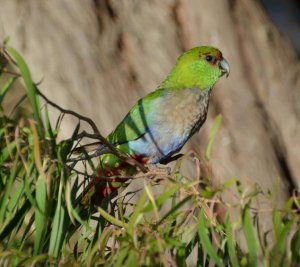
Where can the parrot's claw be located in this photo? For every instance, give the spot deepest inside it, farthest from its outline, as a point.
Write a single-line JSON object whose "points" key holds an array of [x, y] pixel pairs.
{"points": [[158, 174], [153, 168]]}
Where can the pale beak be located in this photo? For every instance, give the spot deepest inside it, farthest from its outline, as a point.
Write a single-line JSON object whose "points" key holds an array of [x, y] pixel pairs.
{"points": [[224, 66]]}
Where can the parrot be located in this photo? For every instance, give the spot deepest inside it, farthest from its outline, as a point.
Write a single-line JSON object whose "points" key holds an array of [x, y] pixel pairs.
{"points": [[159, 124]]}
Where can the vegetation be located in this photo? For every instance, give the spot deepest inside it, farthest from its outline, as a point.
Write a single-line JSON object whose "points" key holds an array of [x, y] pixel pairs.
{"points": [[44, 219]]}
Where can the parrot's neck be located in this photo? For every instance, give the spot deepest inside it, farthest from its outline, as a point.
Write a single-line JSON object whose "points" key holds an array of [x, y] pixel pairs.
{"points": [[192, 76]]}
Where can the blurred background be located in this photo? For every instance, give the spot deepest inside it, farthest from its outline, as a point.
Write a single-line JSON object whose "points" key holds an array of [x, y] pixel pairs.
{"points": [[286, 16], [98, 57]]}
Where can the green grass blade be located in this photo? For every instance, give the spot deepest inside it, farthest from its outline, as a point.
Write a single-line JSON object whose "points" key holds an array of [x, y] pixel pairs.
{"points": [[295, 247], [174, 209], [100, 246], [30, 87], [16, 196], [57, 233], [277, 223], [281, 243], [7, 191], [17, 219], [39, 260], [205, 240], [162, 198], [5, 88], [132, 259], [191, 245], [212, 136], [6, 152], [40, 215], [30, 176], [137, 214], [13, 204], [49, 131], [123, 253], [113, 220], [230, 243], [250, 236], [152, 200]]}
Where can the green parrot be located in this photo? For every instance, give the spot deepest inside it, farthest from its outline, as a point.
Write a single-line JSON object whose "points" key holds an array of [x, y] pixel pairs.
{"points": [[160, 123]]}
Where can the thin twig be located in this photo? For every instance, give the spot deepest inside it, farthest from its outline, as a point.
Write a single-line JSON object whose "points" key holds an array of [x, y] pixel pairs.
{"points": [[88, 135], [4, 70], [113, 149], [6, 55], [150, 175]]}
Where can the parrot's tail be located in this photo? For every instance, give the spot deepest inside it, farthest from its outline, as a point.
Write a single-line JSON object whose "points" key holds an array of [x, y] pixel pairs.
{"points": [[108, 180]]}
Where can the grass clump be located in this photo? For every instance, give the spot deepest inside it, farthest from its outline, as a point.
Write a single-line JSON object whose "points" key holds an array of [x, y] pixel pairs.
{"points": [[44, 220]]}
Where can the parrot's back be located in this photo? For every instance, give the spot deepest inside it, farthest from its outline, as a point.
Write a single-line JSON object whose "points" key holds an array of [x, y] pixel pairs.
{"points": [[161, 123]]}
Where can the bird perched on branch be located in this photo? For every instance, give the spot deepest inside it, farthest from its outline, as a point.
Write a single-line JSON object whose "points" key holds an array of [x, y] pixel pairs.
{"points": [[160, 123]]}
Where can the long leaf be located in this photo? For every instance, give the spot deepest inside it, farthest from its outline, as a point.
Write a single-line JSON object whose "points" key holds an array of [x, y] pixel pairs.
{"points": [[7, 191], [295, 247], [174, 209], [6, 151], [110, 218], [137, 214], [5, 88], [250, 236], [57, 234], [160, 200], [212, 136], [230, 243], [205, 240], [40, 215], [17, 219], [30, 88], [99, 245]]}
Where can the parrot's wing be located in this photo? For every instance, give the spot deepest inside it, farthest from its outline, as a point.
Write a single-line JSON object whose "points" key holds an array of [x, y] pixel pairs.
{"points": [[137, 121]]}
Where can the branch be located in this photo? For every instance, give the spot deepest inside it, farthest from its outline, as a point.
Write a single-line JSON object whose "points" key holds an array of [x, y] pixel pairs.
{"points": [[121, 155]]}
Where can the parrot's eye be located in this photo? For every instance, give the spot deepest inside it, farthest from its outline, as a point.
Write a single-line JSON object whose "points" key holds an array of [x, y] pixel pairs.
{"points": [[209, 58]]}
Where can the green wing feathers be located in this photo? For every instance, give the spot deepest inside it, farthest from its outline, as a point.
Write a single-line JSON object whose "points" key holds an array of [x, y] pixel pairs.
{"points": [[137, 121]]}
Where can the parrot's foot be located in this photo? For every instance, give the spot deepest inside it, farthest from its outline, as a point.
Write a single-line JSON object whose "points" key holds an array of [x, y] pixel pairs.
{"points": [[159, 170], [157, 173]]}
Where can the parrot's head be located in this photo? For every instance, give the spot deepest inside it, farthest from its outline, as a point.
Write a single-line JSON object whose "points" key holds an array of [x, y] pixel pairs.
{"points": [[198, 67]]}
